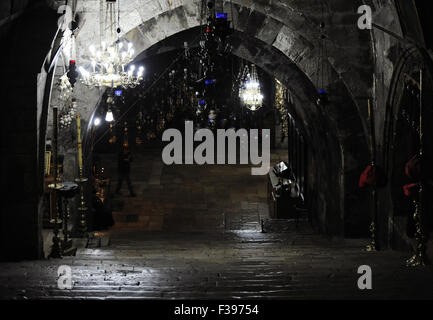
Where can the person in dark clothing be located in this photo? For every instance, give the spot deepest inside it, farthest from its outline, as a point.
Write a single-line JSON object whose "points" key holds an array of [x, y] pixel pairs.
{"points": [[102, 218], [124, 168]]}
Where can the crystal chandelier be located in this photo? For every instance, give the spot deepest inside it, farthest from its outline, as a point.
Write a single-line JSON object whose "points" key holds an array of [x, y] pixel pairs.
{"points": [[109, 61], [67, 114], [69, 104], [65, 88], [250, 91]]}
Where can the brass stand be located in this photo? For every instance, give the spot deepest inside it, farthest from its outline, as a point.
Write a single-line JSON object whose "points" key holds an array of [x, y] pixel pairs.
{"points": [[67, 248], [56, 249], [82, 229], [82, 208], [373, 243], [66, 243], [419, 258]]}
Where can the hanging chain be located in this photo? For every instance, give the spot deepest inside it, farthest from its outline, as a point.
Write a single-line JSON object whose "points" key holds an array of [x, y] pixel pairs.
{"points": [[111, 20], [118, 19]]}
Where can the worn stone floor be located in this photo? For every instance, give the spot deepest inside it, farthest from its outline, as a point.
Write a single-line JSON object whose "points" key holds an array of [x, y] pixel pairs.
{"points": [[194, 233], [219, 265]]}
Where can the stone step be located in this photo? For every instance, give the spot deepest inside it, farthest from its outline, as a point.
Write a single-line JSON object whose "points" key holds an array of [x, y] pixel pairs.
{"points": [[283, 225]]}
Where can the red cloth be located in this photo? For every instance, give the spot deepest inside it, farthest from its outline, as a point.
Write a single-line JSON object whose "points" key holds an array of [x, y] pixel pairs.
{"points": [[372, 176], [368, 177], [413, 168], [411, 190]]}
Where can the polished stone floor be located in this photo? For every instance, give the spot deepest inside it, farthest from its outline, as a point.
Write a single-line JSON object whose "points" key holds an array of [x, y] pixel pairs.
{"points": [[194, 233]]}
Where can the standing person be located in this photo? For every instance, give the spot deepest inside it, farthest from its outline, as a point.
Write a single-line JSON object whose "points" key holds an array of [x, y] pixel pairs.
{"points": [[124, 168]]}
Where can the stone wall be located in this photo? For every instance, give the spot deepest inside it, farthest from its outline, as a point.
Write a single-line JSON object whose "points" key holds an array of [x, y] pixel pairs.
{"points": [[20, 222], [390, 55]]}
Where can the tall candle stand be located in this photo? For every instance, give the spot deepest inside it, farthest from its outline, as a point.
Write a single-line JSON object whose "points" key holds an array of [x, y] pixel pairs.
{"points": [[81, 182], [372, 246], [56, 249], [68, 191], [67, 242], [419, 258]]}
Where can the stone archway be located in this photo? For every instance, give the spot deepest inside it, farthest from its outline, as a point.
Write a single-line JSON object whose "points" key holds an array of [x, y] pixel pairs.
{"points": [[322, 134], [286, 29], [401, 135], [284, 42]]}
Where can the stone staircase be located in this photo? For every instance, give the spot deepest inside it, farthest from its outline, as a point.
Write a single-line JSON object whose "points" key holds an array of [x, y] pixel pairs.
{"points": [[156, 210], [188, 198]]}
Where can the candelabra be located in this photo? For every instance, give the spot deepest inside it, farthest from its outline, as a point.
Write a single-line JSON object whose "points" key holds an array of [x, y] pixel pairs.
{"points": [[372, 229], [81, 182], [82, 208], [250, 91], [56, 249], [67, 243], [110, 59], [67, 192], [419, 258]]}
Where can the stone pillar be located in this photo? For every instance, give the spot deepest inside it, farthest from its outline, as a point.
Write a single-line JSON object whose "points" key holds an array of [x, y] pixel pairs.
{"points": [[20, 227]]}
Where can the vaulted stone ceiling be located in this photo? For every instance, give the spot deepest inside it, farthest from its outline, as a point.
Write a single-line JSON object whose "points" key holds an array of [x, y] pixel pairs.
{"points": [[283, 38], [291, 27]]}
